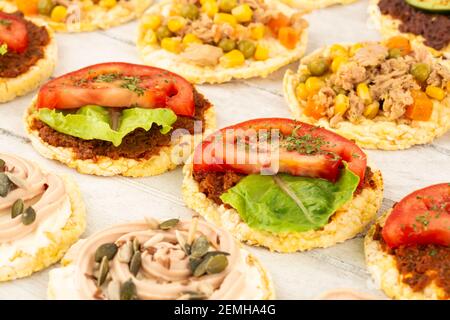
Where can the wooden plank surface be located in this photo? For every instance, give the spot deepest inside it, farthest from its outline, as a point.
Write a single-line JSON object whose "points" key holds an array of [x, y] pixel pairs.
{"points": [[114, 200]]}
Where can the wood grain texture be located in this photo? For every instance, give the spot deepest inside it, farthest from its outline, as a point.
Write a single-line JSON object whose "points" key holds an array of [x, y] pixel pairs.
{"points": [[114, 200]]}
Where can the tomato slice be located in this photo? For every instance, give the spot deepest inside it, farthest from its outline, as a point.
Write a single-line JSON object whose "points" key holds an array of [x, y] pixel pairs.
{"points": [[423, 217], [119, 85], [308, 151], [13, 32]]}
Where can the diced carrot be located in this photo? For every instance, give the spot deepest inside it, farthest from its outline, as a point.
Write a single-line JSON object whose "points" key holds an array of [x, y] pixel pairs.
{"points": [[401, 43], [313, 109], [28, 7], [288, 37], [421, 108], [276, 23]]}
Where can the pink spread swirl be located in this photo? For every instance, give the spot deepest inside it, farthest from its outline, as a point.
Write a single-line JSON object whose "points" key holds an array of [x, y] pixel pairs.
{"points": [[44, 191], [164, 271]]}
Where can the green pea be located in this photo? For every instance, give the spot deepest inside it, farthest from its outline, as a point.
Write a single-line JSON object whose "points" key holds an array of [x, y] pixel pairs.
{"points": [[227, 5], [189, 11], [318, 67], [421, 71], [247, 48], [45, 7], [163, 32], [395, 53], [227, 44]]}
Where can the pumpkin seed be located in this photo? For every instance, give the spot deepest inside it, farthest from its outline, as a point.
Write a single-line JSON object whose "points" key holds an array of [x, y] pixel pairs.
{"points": [[200, 247], [215, 253], [135, 264], [108, 250], [136, 245], [169, 224], [29, 216], [128, 291], [202, 267], [113, 290], [2, 165], [18, 182], [103, 272], [194, 263], [5, 185], [182, 242], [217, 264], [126, 252], [192, 295], [17, 208]]}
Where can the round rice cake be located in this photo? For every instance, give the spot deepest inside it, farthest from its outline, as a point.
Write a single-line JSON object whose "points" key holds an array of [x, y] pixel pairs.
{"points": [[383, 268], [154, 55], [167, 159], [378, 133], [11, 88], [346, 223], [389, 27], [315, 4], [244, 278], [49, 242], [92, 16]]}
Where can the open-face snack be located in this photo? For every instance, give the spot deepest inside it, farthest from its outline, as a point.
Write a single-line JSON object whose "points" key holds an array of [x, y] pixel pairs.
{"points": [[41, 216], [422, 21], [148, 260], [315, 4], [388, 95], [215, 41], [79, 15], [283, 184], [28, 55], [408, 249], [118, 119]]}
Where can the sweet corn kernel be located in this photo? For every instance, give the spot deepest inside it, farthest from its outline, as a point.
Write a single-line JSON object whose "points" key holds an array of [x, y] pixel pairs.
{"points": [[341, 104], [338, 62], [301, 92], [354, 48], [171, 44], [435, 93], [150, 37], [242, 13], [59, 14], [362, 90], [151, 21], [210, 7], [225, 18], [257, 31], [190, 39], [175, 24], [337, 50], [234, 58], [108, 4], [175, 10], [261, 52], [314, 84], [371, 110]]}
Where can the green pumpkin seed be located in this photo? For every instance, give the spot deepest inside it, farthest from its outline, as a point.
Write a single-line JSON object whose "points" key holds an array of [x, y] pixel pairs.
{"points": [[103, 271], [29, 216], [128, 291], [108, 250], [5, 185], [169, 224], [192, 295], [200, 247], [202, 267], [215, 253], [194, 263], [136, 245], [2, 165], [17, 208], [217, 264], [135, 264]]}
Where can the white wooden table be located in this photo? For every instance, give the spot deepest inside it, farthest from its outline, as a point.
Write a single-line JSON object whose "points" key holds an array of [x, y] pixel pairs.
{"points": [[114, 200]]}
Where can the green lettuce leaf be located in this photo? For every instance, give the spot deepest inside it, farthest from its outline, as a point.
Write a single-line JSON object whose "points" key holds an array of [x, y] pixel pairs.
{"points": [[285, 203], [94, 122]]}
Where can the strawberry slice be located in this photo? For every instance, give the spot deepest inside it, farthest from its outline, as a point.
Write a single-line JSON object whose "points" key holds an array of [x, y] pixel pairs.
{"points": [[423, 217], [119, 85], [305, 150], [13, 32]]}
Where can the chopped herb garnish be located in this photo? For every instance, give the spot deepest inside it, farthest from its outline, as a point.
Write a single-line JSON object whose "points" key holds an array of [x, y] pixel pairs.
{"points": [[306, 144], [107, 77], [133, 84], [433, 252], [5, 22]]}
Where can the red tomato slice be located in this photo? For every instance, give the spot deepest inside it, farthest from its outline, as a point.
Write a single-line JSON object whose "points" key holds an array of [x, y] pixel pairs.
{"points": [[119, 85], [423, 217], [328, 150], [13, 32]]}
